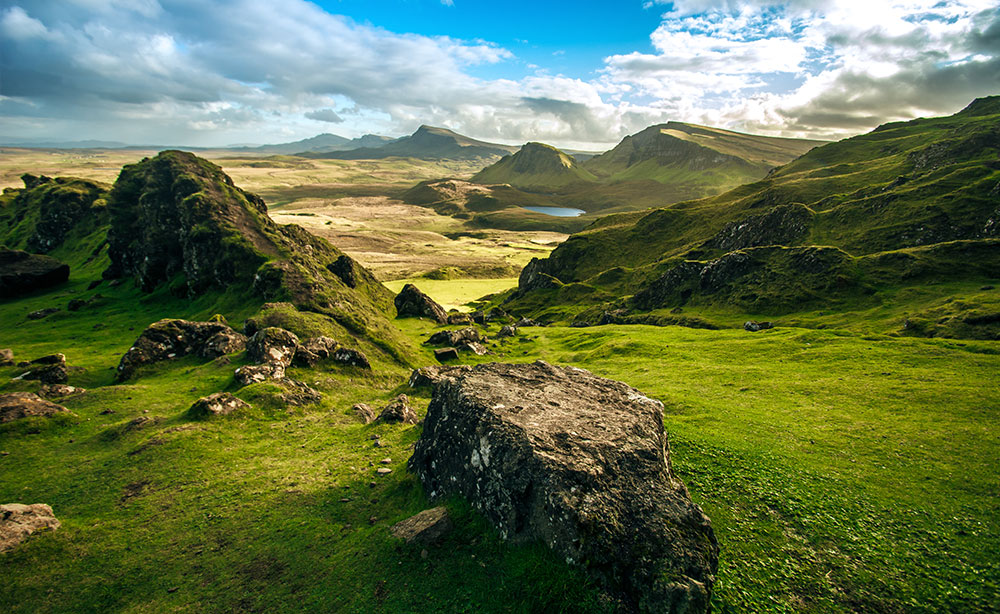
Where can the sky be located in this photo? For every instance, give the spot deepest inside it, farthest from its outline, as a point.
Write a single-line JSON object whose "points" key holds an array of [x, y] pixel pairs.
{"points": [[574, 74]]}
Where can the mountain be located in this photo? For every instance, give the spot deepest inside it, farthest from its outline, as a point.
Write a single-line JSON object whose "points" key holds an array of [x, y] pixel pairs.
{"points": [[321, 143], [848, 226], [676, 152], [427, 143], [535, 165]]}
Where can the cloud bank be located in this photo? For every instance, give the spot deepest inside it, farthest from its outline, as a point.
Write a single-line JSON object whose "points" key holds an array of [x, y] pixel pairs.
{"points": [[211, 73]]}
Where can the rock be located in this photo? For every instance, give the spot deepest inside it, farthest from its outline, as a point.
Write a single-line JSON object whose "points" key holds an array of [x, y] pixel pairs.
{"points": [[56, 391], [398, 411], [459, 318], [311, 351], [18, 521], [444, 354], [169, 338], [346, 269], [6, 357], [457, 337], [364, 412], [217, 404], [42, 313], [49, 369], [383, 471], [272, 346], [429, 376], [476, 348], [426, 528], [354, 358], [76, 304], [251, 374], [536, 276], [15, 405], [526, 321], [412, 302], [508, 330], [753, 326], [298, 394], [22, 273], [479, 317], [576, 461]]}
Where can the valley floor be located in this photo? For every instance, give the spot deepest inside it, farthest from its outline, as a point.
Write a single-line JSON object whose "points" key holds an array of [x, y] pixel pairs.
{"points": [[843, 472]]}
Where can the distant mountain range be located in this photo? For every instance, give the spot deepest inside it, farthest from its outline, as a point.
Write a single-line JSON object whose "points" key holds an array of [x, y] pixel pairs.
{"points": [[427, 143], [321, 143]]}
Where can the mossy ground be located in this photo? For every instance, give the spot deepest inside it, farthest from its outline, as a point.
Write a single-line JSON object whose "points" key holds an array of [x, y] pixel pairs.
{"points": [[843, 472]]}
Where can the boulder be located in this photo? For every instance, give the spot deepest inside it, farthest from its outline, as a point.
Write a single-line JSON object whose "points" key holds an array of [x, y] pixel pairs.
{"points": [[217, 404], [508, 330], [170, 338], [754, 326], [50, 359], [22, 273], [459, 318], [251, 374], [6, 357], [398, 411], [14, 405], [346, 269], [457, 337], [49, 369], [298, 394], [526, 321], [430, 376], [412, 302], [311, 351], [364, 412], [272, 346], [425, 528], [18, 521], [57, 391], [582, 464], [41, 314], [354, 358], [476, 348], [443, 354]]}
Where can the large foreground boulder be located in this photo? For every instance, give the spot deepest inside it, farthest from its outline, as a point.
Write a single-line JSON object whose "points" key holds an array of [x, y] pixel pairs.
{"points": [[18, 521], [412, 302], [22, 273], [578, 462], [14, 405], [168, 339]]}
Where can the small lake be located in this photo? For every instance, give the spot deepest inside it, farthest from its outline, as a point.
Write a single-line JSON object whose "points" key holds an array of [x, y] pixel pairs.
{"points": [[557, 211]]}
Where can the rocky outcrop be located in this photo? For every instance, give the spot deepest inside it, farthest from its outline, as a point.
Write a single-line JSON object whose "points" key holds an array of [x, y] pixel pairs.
{"points": [[782, 225], [508, 330], [412, 302], [443, 354], [312, 351], [351, 357], [217, 404], [274, 346], [457, 337], [252, 374], [752, 326], [578, 462], [363, 412], [347, 270], [169, 339], [19, 521], [398, 411], [49, 369], [60, 204], [431, 375], [535, 276], [16, 405], [22, 273], [425, 528]]}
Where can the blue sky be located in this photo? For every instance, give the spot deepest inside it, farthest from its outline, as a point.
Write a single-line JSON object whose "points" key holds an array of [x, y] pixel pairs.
{"points": [[574, 74]]}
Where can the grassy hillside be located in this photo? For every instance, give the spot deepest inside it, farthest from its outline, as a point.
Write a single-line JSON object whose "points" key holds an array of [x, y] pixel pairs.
{"points": [[535, 166], [909, 204]]}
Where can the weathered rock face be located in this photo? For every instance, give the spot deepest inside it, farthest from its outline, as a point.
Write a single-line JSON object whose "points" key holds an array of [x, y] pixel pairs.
{"points": [[217, 404], [398, 411], [782, 225], [18, 521], [251, 374], [579, 462], [412, 302], [168, 339], [346, 269], [272, 346], [14, 405], [457, 337], [22, 273], [311, 351]]}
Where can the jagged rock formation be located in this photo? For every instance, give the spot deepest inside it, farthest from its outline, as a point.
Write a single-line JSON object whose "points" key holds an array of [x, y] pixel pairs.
{"points": [[19, 521], [52, 208], [170, 338], [22, 273], [578, 462], [178, 219], [412, 302], [15, 405]]}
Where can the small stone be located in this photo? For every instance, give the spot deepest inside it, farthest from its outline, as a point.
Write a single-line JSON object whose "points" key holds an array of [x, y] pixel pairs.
{"points": [[217, 404], [383, 471], [386, 461], [426, 527]]}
